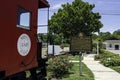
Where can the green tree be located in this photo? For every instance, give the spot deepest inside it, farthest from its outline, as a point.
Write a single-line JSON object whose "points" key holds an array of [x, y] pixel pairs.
{"points": [[94, 37], [105, 35], [108, 36], [54, 39], [74, 18], [43, 37], [117, 32]]}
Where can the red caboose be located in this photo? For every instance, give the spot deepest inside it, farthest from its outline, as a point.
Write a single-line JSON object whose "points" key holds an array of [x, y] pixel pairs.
{"points": [[18, 35]]}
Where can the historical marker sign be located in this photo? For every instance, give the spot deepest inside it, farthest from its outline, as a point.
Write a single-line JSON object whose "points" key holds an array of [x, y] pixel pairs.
{"points": [[79, 44]]}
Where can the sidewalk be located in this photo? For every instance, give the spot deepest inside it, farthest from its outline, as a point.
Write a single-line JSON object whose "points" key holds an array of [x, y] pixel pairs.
{"points": [[100, 72]]}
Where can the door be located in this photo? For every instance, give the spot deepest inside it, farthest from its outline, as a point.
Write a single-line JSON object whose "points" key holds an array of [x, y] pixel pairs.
{"points": [[116, 47]]}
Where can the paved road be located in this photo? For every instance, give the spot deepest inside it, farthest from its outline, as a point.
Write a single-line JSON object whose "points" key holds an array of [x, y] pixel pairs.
{"points": [[100, 72]]}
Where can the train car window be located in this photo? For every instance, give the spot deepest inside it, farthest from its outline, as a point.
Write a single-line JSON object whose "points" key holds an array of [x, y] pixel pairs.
{"points": [[23, 18]]}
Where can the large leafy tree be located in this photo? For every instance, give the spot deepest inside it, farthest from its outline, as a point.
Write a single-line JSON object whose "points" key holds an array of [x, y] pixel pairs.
{"points": [[117, 32], [108, 36], [57, 38], [105, 35], [74, 18]]}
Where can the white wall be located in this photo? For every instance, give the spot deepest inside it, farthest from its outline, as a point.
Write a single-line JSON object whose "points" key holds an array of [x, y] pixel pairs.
{"points": [[57, 49], [112, 47]]}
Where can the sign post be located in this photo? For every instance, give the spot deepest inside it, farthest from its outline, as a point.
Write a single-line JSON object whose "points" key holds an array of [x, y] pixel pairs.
{"points": [[80, 63], [81, 43]]}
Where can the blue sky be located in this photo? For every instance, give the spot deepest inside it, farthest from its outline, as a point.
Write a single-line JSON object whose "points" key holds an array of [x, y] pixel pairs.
{"points": [[109, 10]]}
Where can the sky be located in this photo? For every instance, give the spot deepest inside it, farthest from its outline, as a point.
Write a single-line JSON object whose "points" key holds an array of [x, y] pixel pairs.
{"points": [[108, 9]]}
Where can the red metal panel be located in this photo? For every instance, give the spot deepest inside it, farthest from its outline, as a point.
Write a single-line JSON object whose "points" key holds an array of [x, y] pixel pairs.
{"points": [[10, 60], [7, 19]]}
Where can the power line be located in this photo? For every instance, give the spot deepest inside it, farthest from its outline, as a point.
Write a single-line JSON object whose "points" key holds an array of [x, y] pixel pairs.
{"points": [[99, 10], [110, 14], [102, 12]]}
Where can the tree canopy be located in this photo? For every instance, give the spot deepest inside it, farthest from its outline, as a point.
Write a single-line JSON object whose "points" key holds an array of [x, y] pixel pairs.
{"points": [[74, 18], [107, 36], [117, 32]]}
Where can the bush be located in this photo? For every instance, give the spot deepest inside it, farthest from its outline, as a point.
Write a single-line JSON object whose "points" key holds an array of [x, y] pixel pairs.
{"points": [[97, 57], [112, 61], [108, 58], [107, 54], [58, 66]]}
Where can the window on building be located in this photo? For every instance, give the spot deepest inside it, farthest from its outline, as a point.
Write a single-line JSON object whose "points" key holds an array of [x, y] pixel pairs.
{"points": [[110, 45], [23, 18]]}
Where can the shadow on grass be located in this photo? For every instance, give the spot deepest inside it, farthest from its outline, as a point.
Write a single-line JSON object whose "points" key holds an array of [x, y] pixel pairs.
{"points": [[68, 75]]}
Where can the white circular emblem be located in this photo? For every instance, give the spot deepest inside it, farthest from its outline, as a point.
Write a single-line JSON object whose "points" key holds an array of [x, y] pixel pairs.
{"points": [[23, 44]]}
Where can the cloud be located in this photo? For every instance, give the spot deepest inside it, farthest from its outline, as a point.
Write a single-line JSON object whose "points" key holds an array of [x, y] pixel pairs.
{"points": [[57, 6]]}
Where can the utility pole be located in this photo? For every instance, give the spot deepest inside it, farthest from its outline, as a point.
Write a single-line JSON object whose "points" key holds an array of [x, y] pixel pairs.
{"points": [[98, 48]]}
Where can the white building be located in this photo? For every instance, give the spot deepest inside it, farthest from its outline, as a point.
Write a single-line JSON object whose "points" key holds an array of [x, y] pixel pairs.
{"points": [[112, 44]]}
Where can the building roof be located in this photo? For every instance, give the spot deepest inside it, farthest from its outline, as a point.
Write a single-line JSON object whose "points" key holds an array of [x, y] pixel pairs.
{"points": [[43, 4], [112, 41]]}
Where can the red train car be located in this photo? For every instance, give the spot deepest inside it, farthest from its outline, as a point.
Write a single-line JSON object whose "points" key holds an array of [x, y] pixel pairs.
{"points": [[18, 35]]}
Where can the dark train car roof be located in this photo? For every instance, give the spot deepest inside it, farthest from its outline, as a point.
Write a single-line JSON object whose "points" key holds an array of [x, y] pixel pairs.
{"points": [[43, 4]]}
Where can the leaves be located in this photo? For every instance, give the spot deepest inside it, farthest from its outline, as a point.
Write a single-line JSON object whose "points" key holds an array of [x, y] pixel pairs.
{"points": [[74, 18], [59, 66]]}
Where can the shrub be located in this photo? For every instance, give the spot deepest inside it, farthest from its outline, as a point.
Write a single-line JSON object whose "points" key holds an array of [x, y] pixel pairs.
{"points": [[108, 58], [106, 54], [97, 57], [58, 66], [112, 61]]}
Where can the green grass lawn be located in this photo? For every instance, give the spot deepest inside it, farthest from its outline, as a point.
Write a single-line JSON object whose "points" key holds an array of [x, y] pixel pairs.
{"points": [[75, 74], [74, 58]]}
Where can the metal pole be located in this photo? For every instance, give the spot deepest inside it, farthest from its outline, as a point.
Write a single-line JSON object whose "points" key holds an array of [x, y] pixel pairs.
{"points": [[80, 63], [53, 49], [97, 48], [47, 32], [53, 45]]}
